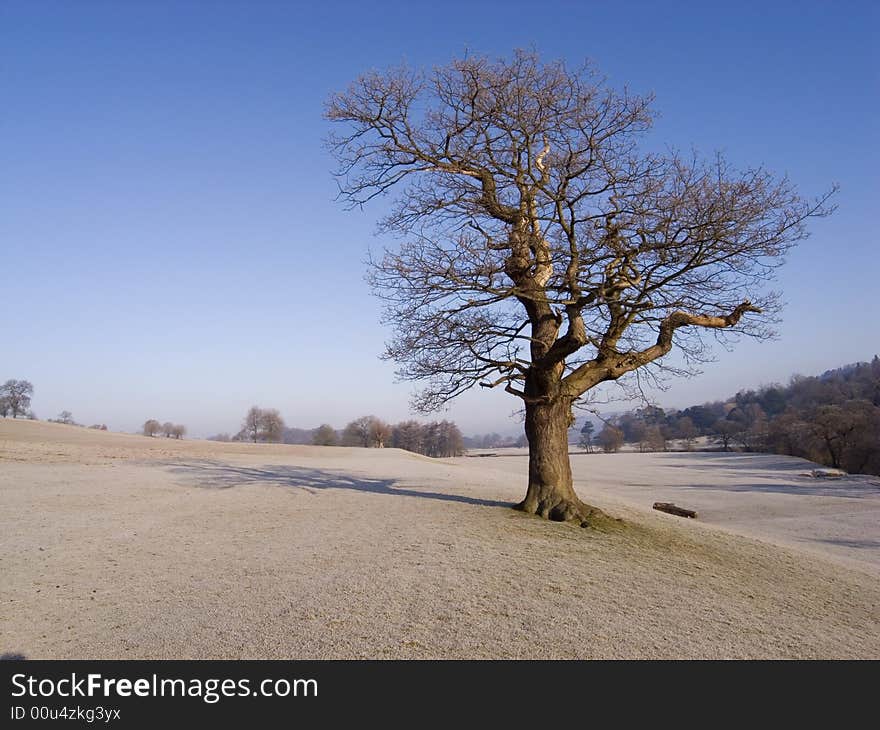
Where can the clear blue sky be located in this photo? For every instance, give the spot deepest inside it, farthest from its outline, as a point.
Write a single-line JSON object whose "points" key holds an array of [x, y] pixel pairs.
{"points": [[169, 241]]}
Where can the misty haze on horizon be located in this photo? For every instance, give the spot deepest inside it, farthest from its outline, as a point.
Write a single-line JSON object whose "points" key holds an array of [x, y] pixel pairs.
{"points": [[507, 424]]}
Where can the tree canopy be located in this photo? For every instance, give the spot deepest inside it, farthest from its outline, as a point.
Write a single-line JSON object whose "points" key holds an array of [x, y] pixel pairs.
{"points": [[15, 397], [537, 231]]}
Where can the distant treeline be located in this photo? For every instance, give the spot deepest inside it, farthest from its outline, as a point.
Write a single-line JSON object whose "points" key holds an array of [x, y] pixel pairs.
{"points": [[832, 419], [152, 427], [437, 439], [494, 441]]}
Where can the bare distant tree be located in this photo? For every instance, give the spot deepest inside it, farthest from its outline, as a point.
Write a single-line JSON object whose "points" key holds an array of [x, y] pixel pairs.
{"points": [[448, 440], [655, 439], [250, 427], [686, 431], [839, 427], [638, 432], [167, 429], [544, 251], [178, 430], [16, 395], [261, 424], [358, 432], [5, 408], [441, 439], [152, 427], [325, 435], [788, 434], [66, 417], [271, 426], [409, 435], [754, 428], [610, 439], [586, 438], [430, 438], [726, 431], [380, 433]]}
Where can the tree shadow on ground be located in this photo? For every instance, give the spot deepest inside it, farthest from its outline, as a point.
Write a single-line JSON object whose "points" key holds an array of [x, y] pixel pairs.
{"points": [[12, 656], [215, 475]]}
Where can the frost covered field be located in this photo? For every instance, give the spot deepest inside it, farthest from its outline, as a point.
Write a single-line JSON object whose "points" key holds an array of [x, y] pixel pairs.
{"points": [[119, 546]]}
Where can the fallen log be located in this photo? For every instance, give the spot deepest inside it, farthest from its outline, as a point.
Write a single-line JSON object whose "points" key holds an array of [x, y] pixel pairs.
{"points": [[673, 510]]}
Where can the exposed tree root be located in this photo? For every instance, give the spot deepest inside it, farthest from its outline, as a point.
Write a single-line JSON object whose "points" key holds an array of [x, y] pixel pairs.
{"points": [[563, 510]]}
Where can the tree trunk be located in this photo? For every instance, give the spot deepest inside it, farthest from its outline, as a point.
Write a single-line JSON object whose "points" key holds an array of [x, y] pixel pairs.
{"points": [[834, 453], [550, 493]]}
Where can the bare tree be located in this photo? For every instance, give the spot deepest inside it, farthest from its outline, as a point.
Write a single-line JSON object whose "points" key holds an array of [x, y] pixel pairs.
{"points": [[449, 440], [380, 433], [250, 427], [753, 421], [325, 435], [271, 426], [610, 439], [586, 437], [655, 440], [66, 417], [686, 431], [725, 431], [152, 427], [261, 424], [640, 435], [167, 429], [839, 427], [16, 395], [542, 250], [178, 430], [358, 432], [409, 435]]}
